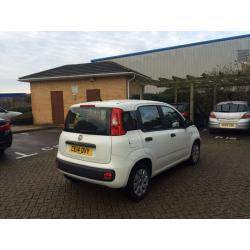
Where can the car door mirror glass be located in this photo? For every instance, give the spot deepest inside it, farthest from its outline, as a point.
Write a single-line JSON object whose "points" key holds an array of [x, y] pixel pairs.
{"points": [[175, 124]]}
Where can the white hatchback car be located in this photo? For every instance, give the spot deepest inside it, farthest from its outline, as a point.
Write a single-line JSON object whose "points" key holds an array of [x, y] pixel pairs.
{"points": [[125, 143]]}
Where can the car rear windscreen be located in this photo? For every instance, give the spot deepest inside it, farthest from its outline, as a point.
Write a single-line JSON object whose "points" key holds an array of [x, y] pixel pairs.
{"points": [[88, 120], [231, 108], [181, 107]]}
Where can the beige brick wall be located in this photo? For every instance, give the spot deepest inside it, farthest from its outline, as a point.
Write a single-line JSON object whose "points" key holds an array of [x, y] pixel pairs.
{"points": [[110, 88]]}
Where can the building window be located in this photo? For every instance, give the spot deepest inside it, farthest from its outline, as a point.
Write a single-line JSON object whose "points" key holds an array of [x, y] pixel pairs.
{"points": [[242, 55]]}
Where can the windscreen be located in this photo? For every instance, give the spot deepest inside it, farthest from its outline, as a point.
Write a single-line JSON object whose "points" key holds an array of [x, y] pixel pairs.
{"points": [[88, 120], [231, 108], [180, 107]]}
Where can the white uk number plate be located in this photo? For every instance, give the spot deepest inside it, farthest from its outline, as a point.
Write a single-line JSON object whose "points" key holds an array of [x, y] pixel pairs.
{"points": [[227, 125]]}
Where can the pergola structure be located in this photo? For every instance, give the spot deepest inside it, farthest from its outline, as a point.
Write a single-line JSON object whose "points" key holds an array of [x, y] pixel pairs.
{"points": [[205, 81]]}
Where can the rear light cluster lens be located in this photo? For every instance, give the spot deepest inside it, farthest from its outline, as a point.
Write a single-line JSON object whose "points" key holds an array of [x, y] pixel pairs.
{"points": [[212, 115], [246, 116], [5, 127], [108, 176], [116, 122]]}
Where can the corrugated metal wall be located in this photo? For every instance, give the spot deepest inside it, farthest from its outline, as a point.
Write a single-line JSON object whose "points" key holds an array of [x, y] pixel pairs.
{"points": [[180, 62]]}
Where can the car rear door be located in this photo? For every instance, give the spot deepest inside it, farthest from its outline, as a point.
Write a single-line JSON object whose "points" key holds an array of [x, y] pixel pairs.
{"points": [[155, 139]]}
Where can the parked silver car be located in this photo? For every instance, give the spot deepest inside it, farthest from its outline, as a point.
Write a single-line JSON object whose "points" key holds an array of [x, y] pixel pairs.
{"points": [[8, 115], [230, 115]]}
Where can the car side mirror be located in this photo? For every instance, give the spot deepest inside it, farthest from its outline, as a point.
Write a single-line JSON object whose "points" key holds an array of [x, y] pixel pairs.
{"points": [[175, 124], [188, 123]]}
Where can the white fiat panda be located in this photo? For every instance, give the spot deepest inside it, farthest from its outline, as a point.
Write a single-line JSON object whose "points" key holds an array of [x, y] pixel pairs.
{"points": [[125, 143]]}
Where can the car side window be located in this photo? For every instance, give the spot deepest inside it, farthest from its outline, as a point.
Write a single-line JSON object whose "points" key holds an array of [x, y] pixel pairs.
{"points": [[150, 118], [171, 119], [129, 120]]}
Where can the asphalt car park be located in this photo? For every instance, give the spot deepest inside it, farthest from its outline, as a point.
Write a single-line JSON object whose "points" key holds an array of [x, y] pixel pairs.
{"points": [[28, 144], [218, 187]]}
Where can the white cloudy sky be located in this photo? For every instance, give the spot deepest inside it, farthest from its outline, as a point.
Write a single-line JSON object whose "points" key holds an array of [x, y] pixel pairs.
{"points": [[23, 53]]}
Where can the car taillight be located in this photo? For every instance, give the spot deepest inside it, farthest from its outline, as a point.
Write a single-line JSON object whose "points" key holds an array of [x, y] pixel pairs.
{"points": [[116, 122], [107, 176], [246, 116], [5, 127], [185, 114], [212, 115]]}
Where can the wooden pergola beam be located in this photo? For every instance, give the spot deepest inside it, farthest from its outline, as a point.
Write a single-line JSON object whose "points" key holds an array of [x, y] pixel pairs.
{"points": [[178, 84]]}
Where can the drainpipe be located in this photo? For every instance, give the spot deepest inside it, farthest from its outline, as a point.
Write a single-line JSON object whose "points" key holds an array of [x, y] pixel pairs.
{"points": [[128, 84]]}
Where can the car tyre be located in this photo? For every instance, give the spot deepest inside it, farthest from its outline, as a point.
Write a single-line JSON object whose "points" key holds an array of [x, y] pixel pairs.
{"points": [[195, 153], [138, 183]]}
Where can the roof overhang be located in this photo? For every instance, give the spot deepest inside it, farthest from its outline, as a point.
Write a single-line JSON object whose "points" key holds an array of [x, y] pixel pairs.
{"points": [[51, 78]]}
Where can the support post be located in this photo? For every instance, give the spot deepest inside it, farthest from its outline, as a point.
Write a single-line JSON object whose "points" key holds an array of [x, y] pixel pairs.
{"points": [[214, 95], [191, 102], [141, 91], [175, 94]]}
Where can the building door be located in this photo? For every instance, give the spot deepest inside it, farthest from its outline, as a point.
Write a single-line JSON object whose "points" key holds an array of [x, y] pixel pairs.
{"points": [[57, 107], [93, 95]]}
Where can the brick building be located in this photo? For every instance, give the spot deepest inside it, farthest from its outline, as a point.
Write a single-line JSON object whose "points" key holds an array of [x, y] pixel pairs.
{"points": [[53, 91]]}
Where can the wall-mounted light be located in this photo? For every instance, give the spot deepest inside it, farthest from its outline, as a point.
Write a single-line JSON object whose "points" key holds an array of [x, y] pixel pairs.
{"points": [[92, 79], [74, 90]]}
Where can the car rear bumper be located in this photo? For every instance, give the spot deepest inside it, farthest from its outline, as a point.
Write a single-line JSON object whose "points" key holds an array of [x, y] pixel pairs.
{"points": [[85, 171], [237, 126], [5, 140], [94, 172]]}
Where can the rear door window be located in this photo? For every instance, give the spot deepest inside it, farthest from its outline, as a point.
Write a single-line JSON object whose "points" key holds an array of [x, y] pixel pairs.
{"points": [[88, 120], [231, 108], [129, 120], [150, 118]]}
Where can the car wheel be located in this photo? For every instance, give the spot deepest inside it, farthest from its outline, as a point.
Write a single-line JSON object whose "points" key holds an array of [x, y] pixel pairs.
{"points": [[195, 153], [138, 182], [71, 179]]}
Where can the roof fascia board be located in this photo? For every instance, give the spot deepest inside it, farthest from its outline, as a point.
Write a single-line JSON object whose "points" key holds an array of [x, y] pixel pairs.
{"points": [[171, 48], [78, 76]]}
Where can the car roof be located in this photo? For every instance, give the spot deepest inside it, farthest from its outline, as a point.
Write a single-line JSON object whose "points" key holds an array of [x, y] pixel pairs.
{"points": [[233, 102], [123, 104], [179, 103]]}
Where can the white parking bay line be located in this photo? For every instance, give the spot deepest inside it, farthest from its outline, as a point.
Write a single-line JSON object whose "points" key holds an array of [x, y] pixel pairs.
{"points": [[47, 148], [21, 155]]}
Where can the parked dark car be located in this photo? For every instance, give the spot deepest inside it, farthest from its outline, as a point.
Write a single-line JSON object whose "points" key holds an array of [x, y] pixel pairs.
{"points": [[183, 108], [5, 135], [200, 116]]}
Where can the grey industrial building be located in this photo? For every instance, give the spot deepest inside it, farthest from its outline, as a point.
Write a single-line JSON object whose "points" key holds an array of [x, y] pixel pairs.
{"points": [[189, 59]]}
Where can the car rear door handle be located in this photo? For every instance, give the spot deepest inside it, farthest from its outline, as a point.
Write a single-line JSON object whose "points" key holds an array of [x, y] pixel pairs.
{"points": [[148, 139], [173, 135]]}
